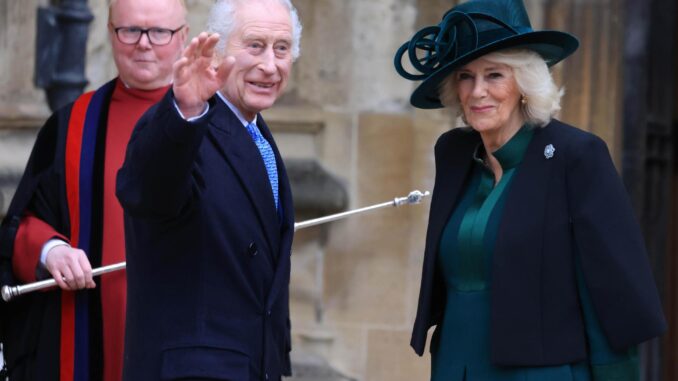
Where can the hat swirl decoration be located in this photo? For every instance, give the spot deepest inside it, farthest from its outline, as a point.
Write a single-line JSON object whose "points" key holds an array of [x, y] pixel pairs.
{"points": [[469, 31], [440, 43]]}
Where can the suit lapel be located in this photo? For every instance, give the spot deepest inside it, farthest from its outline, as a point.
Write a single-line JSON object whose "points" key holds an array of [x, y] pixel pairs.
{"points": [[273, 216], [239, 150], [452, 168], [286, 214], [286, 222]]}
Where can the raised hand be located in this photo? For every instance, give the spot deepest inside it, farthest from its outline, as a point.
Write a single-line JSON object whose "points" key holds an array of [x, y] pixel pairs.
{"points": [[70, 268], [196, 77]]}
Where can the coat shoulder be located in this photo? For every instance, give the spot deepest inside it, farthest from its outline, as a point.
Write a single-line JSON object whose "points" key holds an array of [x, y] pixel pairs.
{"points": [[560, 130], [572, 140], [456, 136]]}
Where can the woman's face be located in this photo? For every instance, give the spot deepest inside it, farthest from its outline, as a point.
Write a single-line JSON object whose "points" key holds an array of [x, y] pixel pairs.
{"points": [[489, 96]]}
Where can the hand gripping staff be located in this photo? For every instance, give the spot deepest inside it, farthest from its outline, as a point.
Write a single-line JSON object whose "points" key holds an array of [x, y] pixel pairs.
{"points": [[415, 197]]}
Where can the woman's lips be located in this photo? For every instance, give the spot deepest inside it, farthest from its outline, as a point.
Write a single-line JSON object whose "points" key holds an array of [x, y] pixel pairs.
{"points": [[481, 108]]}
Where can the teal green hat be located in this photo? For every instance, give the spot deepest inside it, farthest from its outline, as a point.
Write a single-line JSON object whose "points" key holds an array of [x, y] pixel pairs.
{"points": [[469, 31]]}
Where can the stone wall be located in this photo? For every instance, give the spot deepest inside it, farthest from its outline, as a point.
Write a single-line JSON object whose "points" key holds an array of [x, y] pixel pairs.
{"points": [[355, 282], [22, 107]]}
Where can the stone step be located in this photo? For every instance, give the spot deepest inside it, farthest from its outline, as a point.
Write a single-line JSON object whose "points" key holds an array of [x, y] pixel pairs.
{"points": [[311, 367]]}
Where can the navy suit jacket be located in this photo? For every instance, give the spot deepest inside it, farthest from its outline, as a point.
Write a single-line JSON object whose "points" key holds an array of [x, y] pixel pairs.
{"points": [[559, 210], [208, 256]]}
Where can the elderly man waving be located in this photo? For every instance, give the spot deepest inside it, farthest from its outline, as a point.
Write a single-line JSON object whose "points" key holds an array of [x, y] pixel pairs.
{"points": [[208, 210]]}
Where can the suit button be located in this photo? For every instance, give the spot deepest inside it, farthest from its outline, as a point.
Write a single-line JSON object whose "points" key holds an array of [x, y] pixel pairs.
{"points": [[268, 312], [267, 376], [252, 249]]}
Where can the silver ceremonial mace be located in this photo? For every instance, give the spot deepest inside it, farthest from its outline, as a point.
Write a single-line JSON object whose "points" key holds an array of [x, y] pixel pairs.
{"points": [[10, 292], [415, 197]]}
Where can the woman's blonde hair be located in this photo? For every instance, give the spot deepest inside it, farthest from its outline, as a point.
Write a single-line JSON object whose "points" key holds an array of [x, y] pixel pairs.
{"points": [[534, 80]]}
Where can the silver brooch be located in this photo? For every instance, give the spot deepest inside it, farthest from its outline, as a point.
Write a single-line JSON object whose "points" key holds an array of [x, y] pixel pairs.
{"points": [[548, 151]]}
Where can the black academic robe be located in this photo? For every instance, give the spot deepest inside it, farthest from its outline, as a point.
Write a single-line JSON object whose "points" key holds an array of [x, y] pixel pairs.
{"points": [[31, 324]]}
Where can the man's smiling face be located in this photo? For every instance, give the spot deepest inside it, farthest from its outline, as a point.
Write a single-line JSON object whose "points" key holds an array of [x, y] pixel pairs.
{"points": [[262, 46]]}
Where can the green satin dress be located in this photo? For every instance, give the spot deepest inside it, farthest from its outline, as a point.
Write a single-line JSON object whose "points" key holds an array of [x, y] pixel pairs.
{"points": [[461, 345]]}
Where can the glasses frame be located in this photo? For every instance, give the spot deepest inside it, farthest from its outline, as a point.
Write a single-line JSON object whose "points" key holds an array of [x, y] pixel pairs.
{"points": [[143, 31]]}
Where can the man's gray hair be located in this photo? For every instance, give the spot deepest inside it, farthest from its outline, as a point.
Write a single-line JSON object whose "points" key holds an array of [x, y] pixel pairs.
{"points": [[534, 81], [222, 20]]}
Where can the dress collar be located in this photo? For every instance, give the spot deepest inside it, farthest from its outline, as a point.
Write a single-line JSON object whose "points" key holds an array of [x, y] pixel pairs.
{"points": [[512, 152]]}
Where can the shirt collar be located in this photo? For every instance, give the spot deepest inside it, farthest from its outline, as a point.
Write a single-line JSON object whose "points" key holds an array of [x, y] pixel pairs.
{"points": [[235, 110]]}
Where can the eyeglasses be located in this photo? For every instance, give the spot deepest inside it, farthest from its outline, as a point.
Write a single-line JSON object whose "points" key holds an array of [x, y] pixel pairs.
{"points": [[131, 35]]}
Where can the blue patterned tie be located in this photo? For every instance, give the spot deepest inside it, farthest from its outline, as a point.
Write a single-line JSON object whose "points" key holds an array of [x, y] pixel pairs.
{"points": [[269, 158]]}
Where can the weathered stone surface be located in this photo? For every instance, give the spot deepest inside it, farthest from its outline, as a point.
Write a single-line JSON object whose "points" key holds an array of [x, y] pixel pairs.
{"points": [[316, 192], [15, 147], [389, 359], [18, 97], [310, 367]]}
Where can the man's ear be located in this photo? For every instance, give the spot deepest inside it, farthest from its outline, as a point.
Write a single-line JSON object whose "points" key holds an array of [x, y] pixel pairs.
{"points": [[183, 35], [111, 32]]}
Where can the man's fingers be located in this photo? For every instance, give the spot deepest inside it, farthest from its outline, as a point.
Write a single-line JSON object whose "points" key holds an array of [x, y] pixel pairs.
{"points": [[194, 77], [69, 267], [78, 277], [67, 277], [80, 268], [87, 271], [179, 68], [200, 46], [210, 43], [60, 280], [189, 52]]}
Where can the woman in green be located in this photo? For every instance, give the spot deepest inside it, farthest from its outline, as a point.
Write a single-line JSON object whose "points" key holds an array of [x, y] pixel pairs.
{"points": [[535, 267]]}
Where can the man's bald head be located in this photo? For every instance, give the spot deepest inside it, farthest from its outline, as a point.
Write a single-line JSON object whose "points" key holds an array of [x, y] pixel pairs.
{"points": [[112, 2]]}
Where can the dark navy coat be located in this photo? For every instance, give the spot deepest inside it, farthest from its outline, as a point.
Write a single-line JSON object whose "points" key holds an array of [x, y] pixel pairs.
{"points": [[569, 207], [208, 256]]}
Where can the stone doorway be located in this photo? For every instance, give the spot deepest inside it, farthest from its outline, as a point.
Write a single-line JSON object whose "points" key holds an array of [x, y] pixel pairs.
{"points": [[649, 160], [670, 368], [671, 295]]}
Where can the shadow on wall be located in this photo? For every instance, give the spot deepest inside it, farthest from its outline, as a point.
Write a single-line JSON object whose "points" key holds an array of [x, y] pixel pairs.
{"points": [[316, 191]]}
